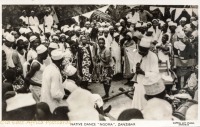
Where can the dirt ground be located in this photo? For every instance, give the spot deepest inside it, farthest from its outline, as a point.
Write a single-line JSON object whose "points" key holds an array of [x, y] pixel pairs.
{"points": [[119, 103]]}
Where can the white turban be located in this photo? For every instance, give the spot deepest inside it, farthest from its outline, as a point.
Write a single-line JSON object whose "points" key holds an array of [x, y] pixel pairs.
{"points": [[116, 34], [117, 24], [145, 42], [32, 38], [10, 38], [87, 23], [106, 30], [56, 54], [41, 49], [100, 29], [70, 70], [121, 20], [129, 34], [53, 45]]}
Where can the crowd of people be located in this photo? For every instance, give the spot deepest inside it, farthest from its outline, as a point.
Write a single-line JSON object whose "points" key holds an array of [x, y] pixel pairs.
{"points": [[47, 68]]}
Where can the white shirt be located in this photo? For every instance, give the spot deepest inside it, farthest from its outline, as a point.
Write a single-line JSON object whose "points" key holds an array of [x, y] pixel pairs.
{"points": [[33, 21], [48, 20], [52, 90], [8, 51]]}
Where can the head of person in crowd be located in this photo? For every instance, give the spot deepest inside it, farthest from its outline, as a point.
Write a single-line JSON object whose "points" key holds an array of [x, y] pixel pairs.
{"points": [[28, 33], [192, 112], [77, 30], [43, 111], [93, 24], [100, 31], [47, 12], [24, 13], [149, 32], [183, 21], [10, 39], [71, 73], [63, 38], [87, 24], [141, 8], [32, 13], [84, 41], [60, 113], [188, 30], [111, 30], [52, 46], [165, 38], [128, 23], [20, 44], [128, 36], [106, 32], [74, 47], [16, 34], [194, 36], [172, 26], [130, 114], [180, 36], [155, 23], [122, 22], [55, 27], [144, 46], [143, 28], [194, 25], [149, 24], [47, 33], [55, 39], [21, 107], [34, 42], [154, 87], [116, 36], [157, 109], [193, 19], [164, 27], [101, 42], [57, 58], [42, 52], [87, 32]]}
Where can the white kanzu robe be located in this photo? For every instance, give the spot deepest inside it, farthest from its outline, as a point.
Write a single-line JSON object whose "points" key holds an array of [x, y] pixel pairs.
{"points": [[149, 65], [52, 91]]}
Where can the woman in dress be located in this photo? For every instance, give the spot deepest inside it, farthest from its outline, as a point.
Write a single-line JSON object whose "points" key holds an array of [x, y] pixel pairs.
{"points": [[106, 69], [85, 64]]}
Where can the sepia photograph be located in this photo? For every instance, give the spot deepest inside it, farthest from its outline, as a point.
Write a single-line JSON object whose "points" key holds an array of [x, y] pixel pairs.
{"points": [[99, 62]]}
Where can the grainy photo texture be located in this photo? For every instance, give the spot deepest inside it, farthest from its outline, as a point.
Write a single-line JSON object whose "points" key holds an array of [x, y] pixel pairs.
{"points": [[99, 62]]}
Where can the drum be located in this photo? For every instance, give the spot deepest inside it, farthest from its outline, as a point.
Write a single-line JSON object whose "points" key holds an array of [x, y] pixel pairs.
{"points": [[180, 112]]}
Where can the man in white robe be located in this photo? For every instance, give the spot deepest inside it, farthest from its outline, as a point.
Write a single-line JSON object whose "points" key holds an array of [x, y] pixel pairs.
{"points": [[48, 20], [33, 20], [52, 91], [145, 63]]}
